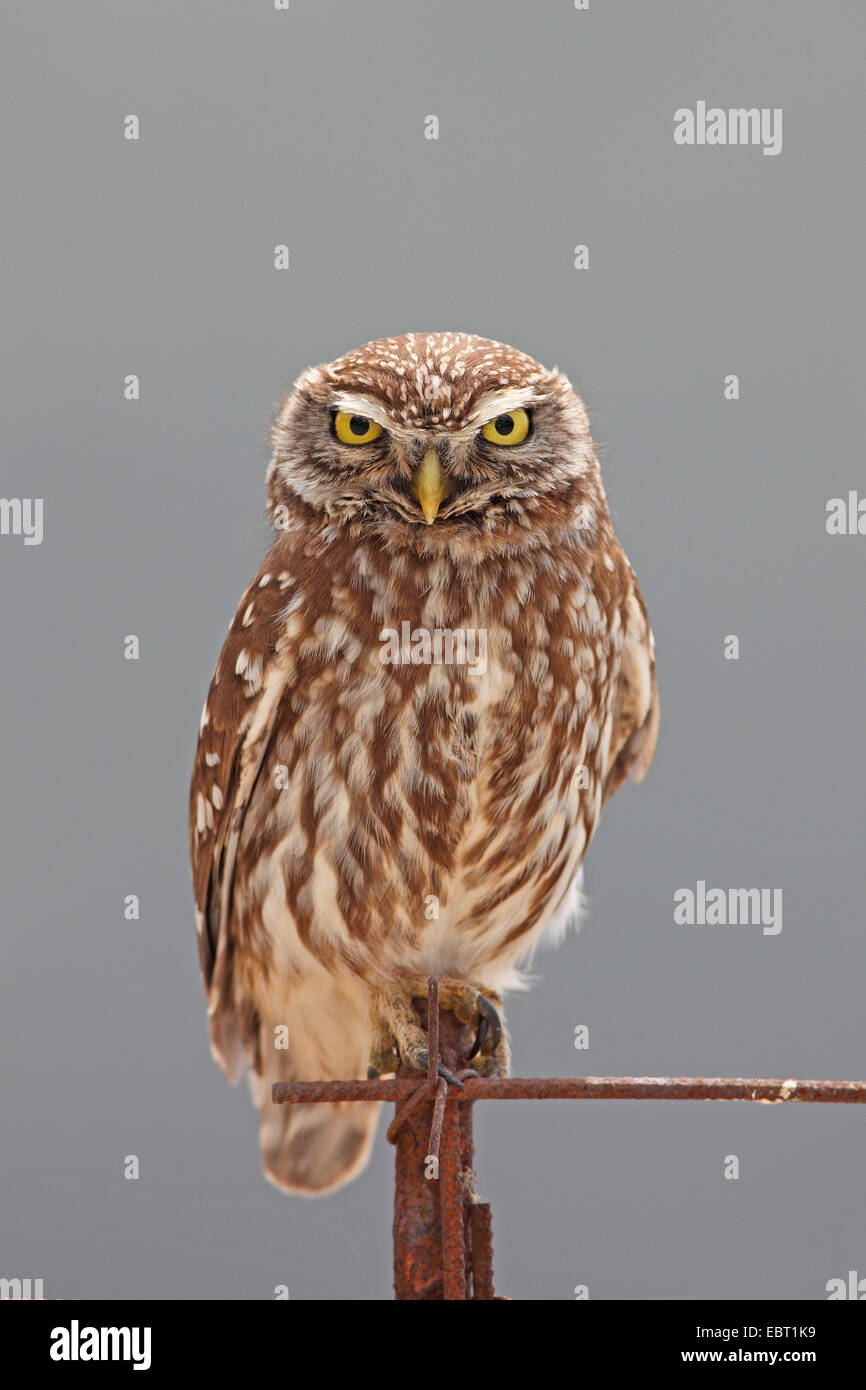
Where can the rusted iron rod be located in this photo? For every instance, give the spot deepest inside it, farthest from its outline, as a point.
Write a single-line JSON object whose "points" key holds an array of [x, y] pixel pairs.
{"points": [[664, 1088], [432, 1029], [404, 1112], [418, 1270], [438, 1118], [452, 1209], [482, 1251], [584, 1088]]}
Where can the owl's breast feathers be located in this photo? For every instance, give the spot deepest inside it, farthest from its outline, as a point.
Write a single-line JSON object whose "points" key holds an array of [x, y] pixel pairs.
{"points": [[354, 809]]}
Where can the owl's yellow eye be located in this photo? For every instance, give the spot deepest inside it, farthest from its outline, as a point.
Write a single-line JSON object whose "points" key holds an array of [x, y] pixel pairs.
{"points": [[355, 429], [511, 428]]}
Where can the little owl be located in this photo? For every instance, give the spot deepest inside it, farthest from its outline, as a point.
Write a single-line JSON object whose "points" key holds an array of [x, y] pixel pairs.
{"points": [[437, 678]]}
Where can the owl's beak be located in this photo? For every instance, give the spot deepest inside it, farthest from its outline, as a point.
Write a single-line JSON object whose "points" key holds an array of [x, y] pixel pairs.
{"points": [[430, 485]]}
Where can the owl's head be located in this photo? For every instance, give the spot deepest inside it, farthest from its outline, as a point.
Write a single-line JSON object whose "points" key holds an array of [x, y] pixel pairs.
{"points": [[433, 435]]}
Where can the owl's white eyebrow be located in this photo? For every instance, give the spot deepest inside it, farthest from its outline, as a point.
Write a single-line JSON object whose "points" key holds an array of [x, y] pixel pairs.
{"points": [[487, 407], [494, 403], [362, 405]]}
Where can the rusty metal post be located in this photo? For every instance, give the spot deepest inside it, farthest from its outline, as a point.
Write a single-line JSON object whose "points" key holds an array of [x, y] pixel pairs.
{"points": [[452, 1207], [482, 1251], [417, 1257], [431, 1192]]}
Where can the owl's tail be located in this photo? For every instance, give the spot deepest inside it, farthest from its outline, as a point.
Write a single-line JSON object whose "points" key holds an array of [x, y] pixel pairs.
{"points": [[325, 1035]]}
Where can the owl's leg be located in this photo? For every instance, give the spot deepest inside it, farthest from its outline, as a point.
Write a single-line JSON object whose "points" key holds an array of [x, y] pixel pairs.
{"points": [[398, 1034], [398, 1037]]}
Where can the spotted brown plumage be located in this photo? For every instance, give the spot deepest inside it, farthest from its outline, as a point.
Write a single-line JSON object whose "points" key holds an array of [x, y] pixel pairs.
{"points": [[358, 824]]}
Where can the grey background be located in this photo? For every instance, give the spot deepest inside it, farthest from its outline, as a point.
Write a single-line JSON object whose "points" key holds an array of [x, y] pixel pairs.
{"points": [[155, 258]]}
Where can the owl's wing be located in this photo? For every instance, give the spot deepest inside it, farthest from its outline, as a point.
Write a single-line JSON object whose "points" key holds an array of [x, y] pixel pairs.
{"points": [[238, 723], [636, 700]]}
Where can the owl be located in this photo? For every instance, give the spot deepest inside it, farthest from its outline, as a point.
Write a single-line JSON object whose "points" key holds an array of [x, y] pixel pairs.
{"points": [[439, 675]]}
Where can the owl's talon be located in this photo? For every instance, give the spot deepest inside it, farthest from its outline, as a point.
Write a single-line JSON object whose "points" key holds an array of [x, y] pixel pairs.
{"points": [[488, 1021], [480, 1038], [443, 1072]]}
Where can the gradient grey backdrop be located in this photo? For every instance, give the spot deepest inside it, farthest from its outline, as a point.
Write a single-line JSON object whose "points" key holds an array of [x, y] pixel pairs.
{"points": [[156, 258]]}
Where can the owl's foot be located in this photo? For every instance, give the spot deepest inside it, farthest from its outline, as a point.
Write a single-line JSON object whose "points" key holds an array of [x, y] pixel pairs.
{"points": [[400, 1037]]}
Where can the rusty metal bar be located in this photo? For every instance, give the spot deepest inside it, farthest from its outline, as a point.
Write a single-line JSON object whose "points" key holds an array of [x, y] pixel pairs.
{"points": [[584, 1088], [403, 1112], [438, 1118], [482, 1251], [417, 1248], [451, 1203], [432, 1029], [467, 1184]]}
